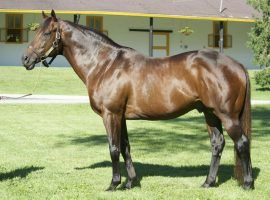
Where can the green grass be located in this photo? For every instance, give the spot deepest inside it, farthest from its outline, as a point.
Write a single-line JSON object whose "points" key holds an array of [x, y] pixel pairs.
{"points": [[53, 80], [61, 152], [64, 81]]}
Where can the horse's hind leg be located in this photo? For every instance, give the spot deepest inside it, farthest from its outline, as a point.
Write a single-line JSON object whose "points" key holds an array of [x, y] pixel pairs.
{"points": [[242, 147], [217, 142], [112, 123], [125, 151]]}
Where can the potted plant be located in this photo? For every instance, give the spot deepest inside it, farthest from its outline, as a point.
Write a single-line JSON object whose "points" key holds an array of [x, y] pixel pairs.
{"points": [[186, 30], [33, 26]]}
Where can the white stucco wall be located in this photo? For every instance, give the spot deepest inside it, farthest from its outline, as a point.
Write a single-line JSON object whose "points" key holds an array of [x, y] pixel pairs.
{"points": [[118, 29]]}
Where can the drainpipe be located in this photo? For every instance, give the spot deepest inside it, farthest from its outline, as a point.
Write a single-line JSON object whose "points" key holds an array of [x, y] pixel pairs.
{"points": [[76, 18], [221, 30], [151, 37], [221, 37]]}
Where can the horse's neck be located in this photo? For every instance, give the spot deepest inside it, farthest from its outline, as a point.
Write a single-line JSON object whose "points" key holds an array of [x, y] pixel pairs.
{"points": [[84, 52]]}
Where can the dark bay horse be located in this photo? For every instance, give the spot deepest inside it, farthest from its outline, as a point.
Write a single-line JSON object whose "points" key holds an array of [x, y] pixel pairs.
{"points": [[124, 84]]}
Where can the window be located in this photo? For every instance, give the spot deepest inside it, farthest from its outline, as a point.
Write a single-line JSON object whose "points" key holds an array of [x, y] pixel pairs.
{"points": [[14, 25], [213, 39], [95, 22]]}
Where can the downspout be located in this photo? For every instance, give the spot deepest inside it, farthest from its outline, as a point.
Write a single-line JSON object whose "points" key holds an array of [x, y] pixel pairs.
{"points": [[151, 37], [76, 18], [221, 29]]}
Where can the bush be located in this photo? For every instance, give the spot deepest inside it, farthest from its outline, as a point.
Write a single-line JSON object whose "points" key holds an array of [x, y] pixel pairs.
{"points": [[262, 78]]}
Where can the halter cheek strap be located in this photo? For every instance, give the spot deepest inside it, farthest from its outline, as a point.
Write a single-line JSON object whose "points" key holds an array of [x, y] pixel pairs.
{"points": [[54, 46]]}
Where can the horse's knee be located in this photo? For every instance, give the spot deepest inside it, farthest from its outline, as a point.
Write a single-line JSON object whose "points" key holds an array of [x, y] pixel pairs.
{"points": [[242, 145], [114, 151]]}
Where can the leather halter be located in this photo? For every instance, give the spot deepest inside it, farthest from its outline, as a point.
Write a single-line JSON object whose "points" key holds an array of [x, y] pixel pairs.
{"points": [[54, 46]]}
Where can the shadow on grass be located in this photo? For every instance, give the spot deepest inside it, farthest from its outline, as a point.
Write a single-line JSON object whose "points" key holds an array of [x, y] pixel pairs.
{"points": [[144, 169], [187, 133], [261, 121], [183, 133], [20, 173], [263, 89]]}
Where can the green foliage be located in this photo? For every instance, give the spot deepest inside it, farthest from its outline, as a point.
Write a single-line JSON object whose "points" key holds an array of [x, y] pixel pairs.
{"points": [[259, 37], [262, 78], [186, 30], [33, 26]]}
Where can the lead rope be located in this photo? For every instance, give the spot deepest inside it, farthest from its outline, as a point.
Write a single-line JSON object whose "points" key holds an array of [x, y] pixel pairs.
{"points": [[37, 80], [36, 83]]}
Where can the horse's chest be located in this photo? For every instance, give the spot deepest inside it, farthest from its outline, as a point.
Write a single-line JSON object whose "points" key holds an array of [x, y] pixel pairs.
{"points": [[96, 103], [100, 102]]}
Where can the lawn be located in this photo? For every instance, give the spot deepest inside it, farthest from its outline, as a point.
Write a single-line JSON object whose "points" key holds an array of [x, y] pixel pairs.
{"points": [[55, 80], [61, 152]]}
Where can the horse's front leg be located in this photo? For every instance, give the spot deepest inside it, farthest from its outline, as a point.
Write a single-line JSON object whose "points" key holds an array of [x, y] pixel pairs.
{"points": [[112, 123]]}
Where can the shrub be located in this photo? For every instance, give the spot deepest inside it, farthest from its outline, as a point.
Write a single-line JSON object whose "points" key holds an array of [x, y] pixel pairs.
{"points": [[262, 78], [259, 36]]}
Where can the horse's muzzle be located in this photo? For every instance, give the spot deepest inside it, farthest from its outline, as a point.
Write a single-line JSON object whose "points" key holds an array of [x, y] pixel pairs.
{"points": [[28, 63]]}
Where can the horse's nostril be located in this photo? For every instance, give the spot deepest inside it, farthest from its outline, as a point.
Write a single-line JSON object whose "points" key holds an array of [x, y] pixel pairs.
{"points": [[25, 58]]}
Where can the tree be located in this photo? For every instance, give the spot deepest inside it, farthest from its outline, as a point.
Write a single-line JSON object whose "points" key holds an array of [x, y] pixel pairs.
{"points": [[259, 37]]}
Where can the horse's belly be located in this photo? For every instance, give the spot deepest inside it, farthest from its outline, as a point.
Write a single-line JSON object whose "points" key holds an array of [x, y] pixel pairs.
{"points": [[156, 111]]}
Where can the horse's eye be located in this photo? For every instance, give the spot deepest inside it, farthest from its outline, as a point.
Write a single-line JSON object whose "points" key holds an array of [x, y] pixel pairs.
{"points": [[47, 33]]}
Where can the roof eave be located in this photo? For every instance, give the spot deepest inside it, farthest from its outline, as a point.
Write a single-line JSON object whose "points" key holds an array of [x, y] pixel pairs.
{"points": [[212, 18]]}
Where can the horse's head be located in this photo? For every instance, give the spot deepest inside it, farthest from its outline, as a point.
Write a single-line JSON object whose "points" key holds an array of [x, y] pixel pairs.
{"points": [[45, 43]]}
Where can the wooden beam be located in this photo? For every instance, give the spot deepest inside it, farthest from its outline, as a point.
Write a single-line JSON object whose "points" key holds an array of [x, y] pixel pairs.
{"points": [[147, 30]]}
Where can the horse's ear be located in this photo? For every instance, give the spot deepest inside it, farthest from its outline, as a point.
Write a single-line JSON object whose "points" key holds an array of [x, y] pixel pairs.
{"points": [[44, 15], [53, 15]]}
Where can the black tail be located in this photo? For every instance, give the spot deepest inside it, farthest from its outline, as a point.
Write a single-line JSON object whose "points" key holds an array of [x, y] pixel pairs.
{"points": [[245, 120]]}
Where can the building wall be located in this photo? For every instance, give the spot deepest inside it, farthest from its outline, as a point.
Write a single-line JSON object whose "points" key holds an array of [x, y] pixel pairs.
{"points": [[118, 29]]}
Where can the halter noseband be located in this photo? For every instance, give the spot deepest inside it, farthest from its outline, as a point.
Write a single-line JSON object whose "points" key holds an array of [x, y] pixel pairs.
{"points": [[54, 46]]}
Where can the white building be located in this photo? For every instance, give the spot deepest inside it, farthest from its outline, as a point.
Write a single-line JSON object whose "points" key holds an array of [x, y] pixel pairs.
{"points": [[127, 23]]}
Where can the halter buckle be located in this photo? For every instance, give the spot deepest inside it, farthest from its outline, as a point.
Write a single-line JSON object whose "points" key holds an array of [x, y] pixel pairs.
{"points": [[55, 44], [58, 35]]}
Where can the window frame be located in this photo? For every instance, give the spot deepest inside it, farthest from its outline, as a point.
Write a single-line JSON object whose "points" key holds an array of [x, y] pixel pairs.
{"points": [[21, 39]]}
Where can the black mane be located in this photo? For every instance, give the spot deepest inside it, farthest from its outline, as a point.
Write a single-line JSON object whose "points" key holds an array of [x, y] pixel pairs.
{"points": [[96, 34]]}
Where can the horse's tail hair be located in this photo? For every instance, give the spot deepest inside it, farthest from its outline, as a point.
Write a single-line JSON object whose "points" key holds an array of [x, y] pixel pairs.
{"points": [[245, 122]]}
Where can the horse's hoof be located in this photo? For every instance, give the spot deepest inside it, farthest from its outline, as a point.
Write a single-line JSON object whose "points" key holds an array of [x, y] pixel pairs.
{"points": [[113, 187], [208, 185], [248, 185], [131, 183], [128, 185]]}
